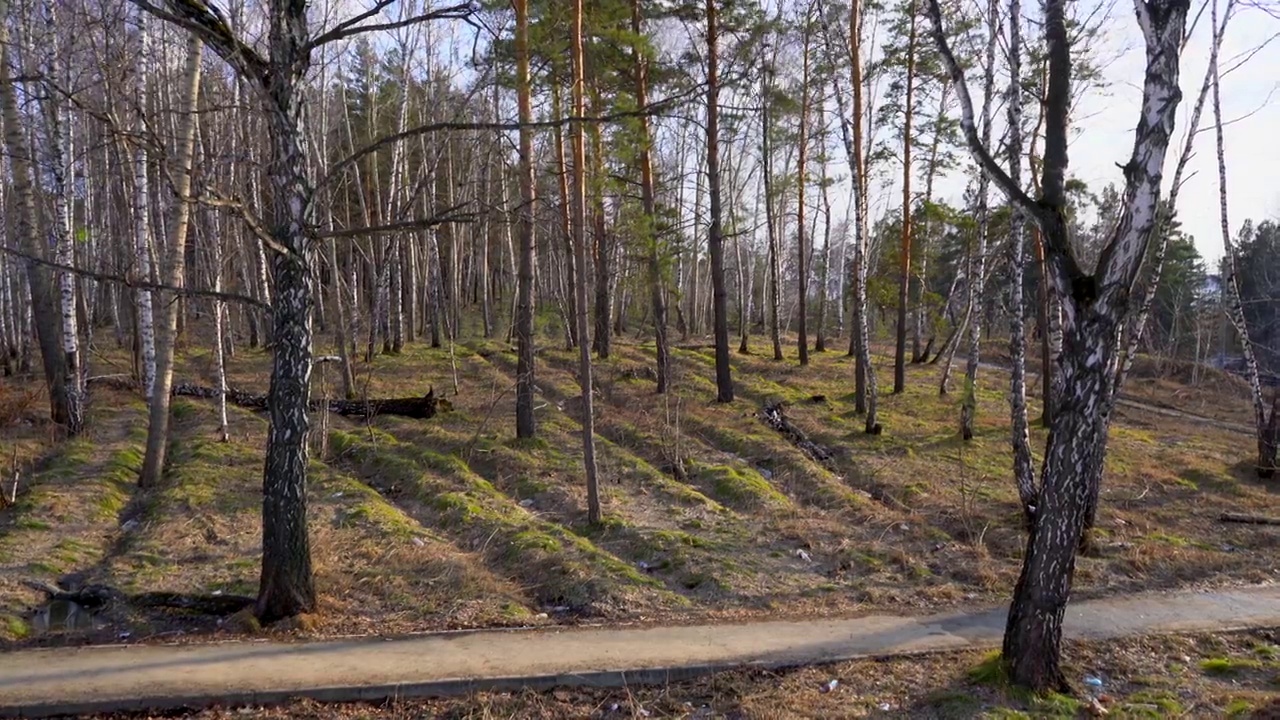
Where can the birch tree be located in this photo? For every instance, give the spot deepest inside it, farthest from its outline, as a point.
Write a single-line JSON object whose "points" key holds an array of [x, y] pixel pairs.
{"points": [[1094, 307]]}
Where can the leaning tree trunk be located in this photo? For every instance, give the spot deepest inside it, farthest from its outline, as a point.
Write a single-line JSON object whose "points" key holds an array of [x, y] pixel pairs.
{"points": [[1264, 426], [174, 274], [525, 427], [715, 242]]}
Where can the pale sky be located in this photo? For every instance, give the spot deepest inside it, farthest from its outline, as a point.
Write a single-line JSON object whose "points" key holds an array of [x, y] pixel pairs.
{"points": [[1250, 95]]}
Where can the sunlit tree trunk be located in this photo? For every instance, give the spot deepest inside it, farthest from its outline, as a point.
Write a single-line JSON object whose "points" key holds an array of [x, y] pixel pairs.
{"points": [[174, 273]]}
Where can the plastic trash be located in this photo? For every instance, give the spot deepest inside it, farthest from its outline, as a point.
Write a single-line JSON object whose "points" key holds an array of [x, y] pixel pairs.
{"points": [[1092, 681], [829, 685], [800, 553], [419, 542]]}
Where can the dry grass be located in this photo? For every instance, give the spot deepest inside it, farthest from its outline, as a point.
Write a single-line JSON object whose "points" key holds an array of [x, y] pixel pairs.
{"points": [[453, 523], [1201, 676]]}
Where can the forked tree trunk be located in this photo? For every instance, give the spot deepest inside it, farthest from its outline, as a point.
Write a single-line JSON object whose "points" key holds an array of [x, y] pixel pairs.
{"points": [[715, 242], [1095, 305], [525, 427], [174, 274]]}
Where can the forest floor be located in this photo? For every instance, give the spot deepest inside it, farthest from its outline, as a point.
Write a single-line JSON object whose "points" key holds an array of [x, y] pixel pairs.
{"points": [[452, 523]]}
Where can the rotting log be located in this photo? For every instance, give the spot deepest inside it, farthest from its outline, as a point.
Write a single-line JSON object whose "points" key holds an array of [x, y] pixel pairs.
{"points": [[776, 418], [421, 408]]}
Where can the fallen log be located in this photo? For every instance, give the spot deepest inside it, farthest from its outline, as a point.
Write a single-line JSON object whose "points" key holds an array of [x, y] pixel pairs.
{"points": [[97, 597], [420, 408], [1248, 519], [776, 418]]}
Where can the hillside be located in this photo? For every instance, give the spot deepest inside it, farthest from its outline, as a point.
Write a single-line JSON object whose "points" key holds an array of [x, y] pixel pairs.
{"points": [[451, 523]]}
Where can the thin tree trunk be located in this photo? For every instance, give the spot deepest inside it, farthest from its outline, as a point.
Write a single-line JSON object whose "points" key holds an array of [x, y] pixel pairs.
{"points": [[978, 264], [153, 462], [771, 215], [715, 242], [580, 249], [904, 261], [802, 259], [1266, 465], [142, 226], [525, 427], [656, 294]]}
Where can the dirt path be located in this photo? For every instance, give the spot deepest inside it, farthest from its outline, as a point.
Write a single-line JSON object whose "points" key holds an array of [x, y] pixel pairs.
{"points": [[39, 683]]}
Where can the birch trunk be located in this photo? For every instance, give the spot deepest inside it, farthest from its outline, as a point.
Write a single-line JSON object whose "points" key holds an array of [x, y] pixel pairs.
{"points": [[145, 331], [978, 263], [1095, 305], [59, 163], [1266, 464], [42, 308], [802, 259], [174, 275]]}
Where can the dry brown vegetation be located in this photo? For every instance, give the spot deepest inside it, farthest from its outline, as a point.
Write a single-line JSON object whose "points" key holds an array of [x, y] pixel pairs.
{"points": [[450, 522]]}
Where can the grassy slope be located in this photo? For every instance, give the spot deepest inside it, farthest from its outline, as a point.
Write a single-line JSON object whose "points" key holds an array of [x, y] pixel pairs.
{"points": [[453, 523]]}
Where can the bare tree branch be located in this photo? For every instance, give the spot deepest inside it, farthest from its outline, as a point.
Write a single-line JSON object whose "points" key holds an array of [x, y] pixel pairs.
{"points": [[649, 110], [131, 283], [351, 27], [407, 226], [195, 17], [968, 124]]}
